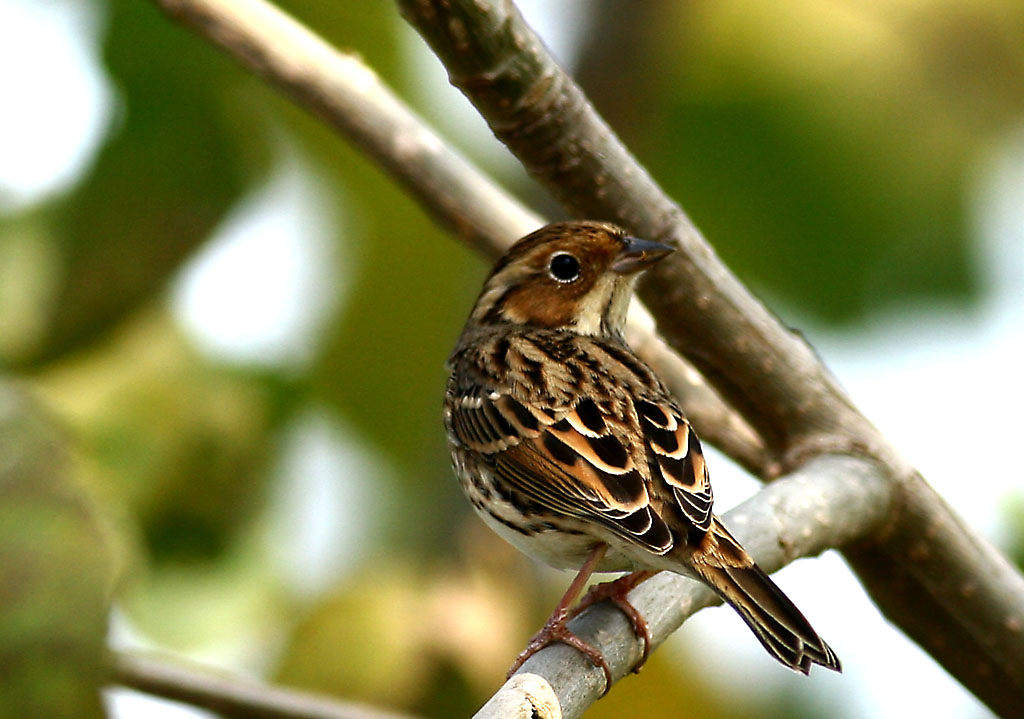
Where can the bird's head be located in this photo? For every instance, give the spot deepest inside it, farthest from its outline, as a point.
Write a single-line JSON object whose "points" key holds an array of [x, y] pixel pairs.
{"points": [[577, 276]]}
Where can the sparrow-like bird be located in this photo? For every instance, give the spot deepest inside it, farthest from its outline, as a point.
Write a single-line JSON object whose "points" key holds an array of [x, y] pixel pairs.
{"points": [[572, 449]]}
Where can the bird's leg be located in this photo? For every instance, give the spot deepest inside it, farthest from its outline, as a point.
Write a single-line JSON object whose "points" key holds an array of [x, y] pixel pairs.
{"points": [[616, 593], [554, 630]]}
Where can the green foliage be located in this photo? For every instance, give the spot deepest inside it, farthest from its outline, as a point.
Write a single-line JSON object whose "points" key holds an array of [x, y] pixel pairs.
{"points": [[188, 140], [177, 444], [669, 686], [827, 152], [55, 573]]}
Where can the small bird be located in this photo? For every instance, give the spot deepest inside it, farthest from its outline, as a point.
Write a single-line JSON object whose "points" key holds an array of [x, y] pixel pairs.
{"points": [[571, 448]]}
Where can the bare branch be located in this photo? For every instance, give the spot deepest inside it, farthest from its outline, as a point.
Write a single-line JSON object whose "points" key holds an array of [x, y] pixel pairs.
{"points": [[230, 696]]}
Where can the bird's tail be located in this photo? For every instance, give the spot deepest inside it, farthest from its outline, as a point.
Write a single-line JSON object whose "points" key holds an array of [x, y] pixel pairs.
{"points": [[774, 619]]}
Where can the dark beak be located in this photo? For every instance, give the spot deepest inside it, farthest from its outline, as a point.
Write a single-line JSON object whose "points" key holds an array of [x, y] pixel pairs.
{"points": [[638, 255]]}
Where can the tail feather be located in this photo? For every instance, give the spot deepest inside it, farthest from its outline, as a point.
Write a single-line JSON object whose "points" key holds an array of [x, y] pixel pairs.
{"points": [[780, 627]]}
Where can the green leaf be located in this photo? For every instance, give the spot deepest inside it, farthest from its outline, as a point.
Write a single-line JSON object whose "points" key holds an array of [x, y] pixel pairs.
{"points": [[54, 573]]}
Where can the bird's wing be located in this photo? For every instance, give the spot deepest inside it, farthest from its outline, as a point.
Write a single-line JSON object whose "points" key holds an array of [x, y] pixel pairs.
{"points": [[676, 459], [593, 460]]}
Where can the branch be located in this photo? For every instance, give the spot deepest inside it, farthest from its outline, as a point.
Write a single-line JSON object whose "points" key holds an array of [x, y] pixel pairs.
{"points": [[341, 90], [231, 696], [763, 369]]}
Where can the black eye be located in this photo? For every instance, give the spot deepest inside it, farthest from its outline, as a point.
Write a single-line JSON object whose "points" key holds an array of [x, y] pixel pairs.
{"points": [[564, 267]]}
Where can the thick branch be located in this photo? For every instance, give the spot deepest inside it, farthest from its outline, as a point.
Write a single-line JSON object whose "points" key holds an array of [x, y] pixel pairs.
{"points": [[230, 696], [766, 371], [934, 567]]}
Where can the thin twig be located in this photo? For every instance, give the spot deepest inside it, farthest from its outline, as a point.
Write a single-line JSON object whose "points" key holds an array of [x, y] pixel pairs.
{"points": [[231, 696]]}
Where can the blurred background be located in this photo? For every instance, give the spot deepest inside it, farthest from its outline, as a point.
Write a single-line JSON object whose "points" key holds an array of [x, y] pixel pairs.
{"points": [[222, 334]]}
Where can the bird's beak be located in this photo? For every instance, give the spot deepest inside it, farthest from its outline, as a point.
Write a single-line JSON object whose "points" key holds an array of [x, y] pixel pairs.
{"points": [[637, 254]]}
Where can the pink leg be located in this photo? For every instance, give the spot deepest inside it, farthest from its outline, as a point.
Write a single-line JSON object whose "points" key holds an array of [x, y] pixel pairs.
{"points": [[616, 593], [554, 630]]}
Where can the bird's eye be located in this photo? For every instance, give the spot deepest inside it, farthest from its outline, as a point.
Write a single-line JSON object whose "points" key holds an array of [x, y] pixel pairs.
{"points": [[564, 267]]}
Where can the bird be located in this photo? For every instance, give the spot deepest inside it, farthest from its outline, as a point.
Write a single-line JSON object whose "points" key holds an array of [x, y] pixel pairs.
{"points": [[572, 449]]}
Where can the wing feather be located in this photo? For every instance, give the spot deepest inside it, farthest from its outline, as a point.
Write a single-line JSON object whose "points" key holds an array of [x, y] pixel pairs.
{"points": [[676, 455], [602, 452], [568, 461]]}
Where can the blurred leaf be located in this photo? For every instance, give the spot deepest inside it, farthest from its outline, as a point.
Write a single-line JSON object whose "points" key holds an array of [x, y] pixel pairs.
{"points": [[188, 141], [30, 271], [435, 640], [667, 687], [233, 602], [367, 29], [362, 642], [1013, 526], [55, 573], [806, 217], [177, 444], [825, 150], [177, 449], [385, 365]]}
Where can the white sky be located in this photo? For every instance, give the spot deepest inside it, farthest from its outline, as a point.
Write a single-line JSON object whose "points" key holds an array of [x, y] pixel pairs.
{"points": [[260, 291], [47, 137], [945, 386]]}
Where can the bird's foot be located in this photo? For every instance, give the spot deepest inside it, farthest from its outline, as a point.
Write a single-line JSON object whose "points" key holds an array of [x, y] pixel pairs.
{"points": [[616, 592], [554, 630]]}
